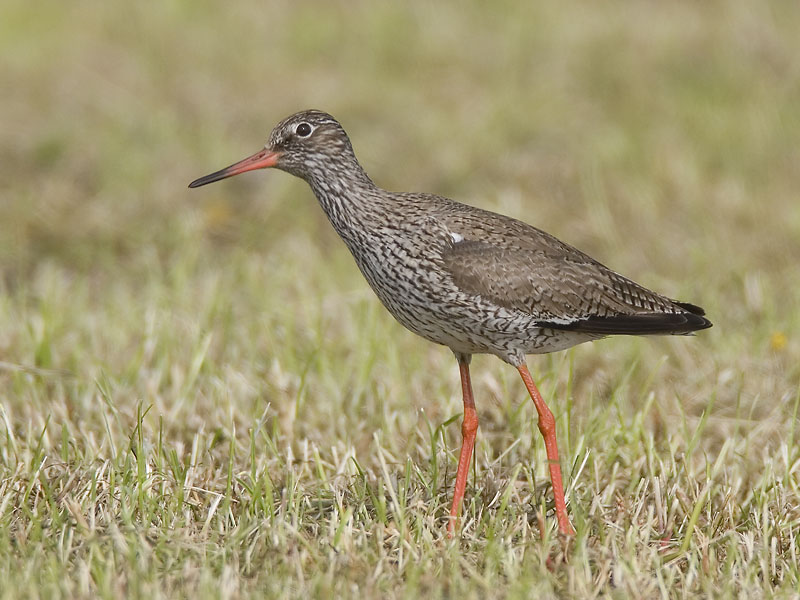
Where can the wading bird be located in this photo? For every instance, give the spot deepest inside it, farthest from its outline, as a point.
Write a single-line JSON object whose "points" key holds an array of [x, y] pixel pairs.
{"points": [[472, 280]]}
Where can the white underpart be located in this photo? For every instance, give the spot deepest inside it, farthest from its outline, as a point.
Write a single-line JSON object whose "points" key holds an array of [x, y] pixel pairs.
{"points": [[457, 237], [562, 320]]}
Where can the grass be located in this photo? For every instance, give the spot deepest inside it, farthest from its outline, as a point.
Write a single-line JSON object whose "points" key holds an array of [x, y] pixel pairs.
{"points": [[199, 396]]}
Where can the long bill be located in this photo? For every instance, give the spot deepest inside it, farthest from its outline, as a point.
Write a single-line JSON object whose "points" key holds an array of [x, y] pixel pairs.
{"points": [[263, 159]]}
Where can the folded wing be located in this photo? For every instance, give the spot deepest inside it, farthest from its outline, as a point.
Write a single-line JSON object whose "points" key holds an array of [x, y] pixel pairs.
{"points": [[563, 288]]}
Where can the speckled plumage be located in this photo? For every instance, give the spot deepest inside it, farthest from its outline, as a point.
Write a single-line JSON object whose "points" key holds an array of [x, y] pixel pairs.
{"points": [[467, 278], [471, 279]]}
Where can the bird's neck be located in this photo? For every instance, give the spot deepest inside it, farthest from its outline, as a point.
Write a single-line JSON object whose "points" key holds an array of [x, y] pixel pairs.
{"points": [[349, 198]]}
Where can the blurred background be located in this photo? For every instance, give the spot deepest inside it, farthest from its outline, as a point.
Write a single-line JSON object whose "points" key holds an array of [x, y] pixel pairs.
{"points": [[661, 138]]}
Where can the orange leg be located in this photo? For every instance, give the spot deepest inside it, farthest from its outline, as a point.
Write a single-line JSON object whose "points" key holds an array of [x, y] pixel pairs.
{"points": [[469, 429], [547, 425]]}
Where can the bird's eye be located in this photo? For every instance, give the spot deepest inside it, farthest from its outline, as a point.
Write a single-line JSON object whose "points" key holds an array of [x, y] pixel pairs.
{"points": [[303, 130]]}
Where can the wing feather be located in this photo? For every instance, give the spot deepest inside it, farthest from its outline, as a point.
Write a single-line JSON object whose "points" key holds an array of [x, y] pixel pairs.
{"points": [[564, 288]]}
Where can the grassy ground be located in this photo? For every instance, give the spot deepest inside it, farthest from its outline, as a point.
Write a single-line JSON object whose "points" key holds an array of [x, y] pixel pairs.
{"points": [[201, 397]]}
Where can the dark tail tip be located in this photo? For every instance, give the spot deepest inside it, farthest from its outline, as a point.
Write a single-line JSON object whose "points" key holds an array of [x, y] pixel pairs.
{"points": [[695, 316]]}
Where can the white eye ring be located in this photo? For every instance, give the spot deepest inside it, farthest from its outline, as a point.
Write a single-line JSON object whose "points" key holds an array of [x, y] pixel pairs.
{"points": [[303, 130]]}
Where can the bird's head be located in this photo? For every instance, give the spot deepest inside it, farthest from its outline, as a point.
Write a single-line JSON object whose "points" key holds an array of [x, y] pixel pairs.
{"points": [[302, 144]]}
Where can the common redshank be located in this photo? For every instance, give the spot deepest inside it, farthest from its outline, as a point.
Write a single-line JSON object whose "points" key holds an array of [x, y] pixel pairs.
{"points": [[469, 279]]}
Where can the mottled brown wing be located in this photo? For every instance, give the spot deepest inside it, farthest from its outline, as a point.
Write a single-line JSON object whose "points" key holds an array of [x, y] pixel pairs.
{"points": [[564, 288]]}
